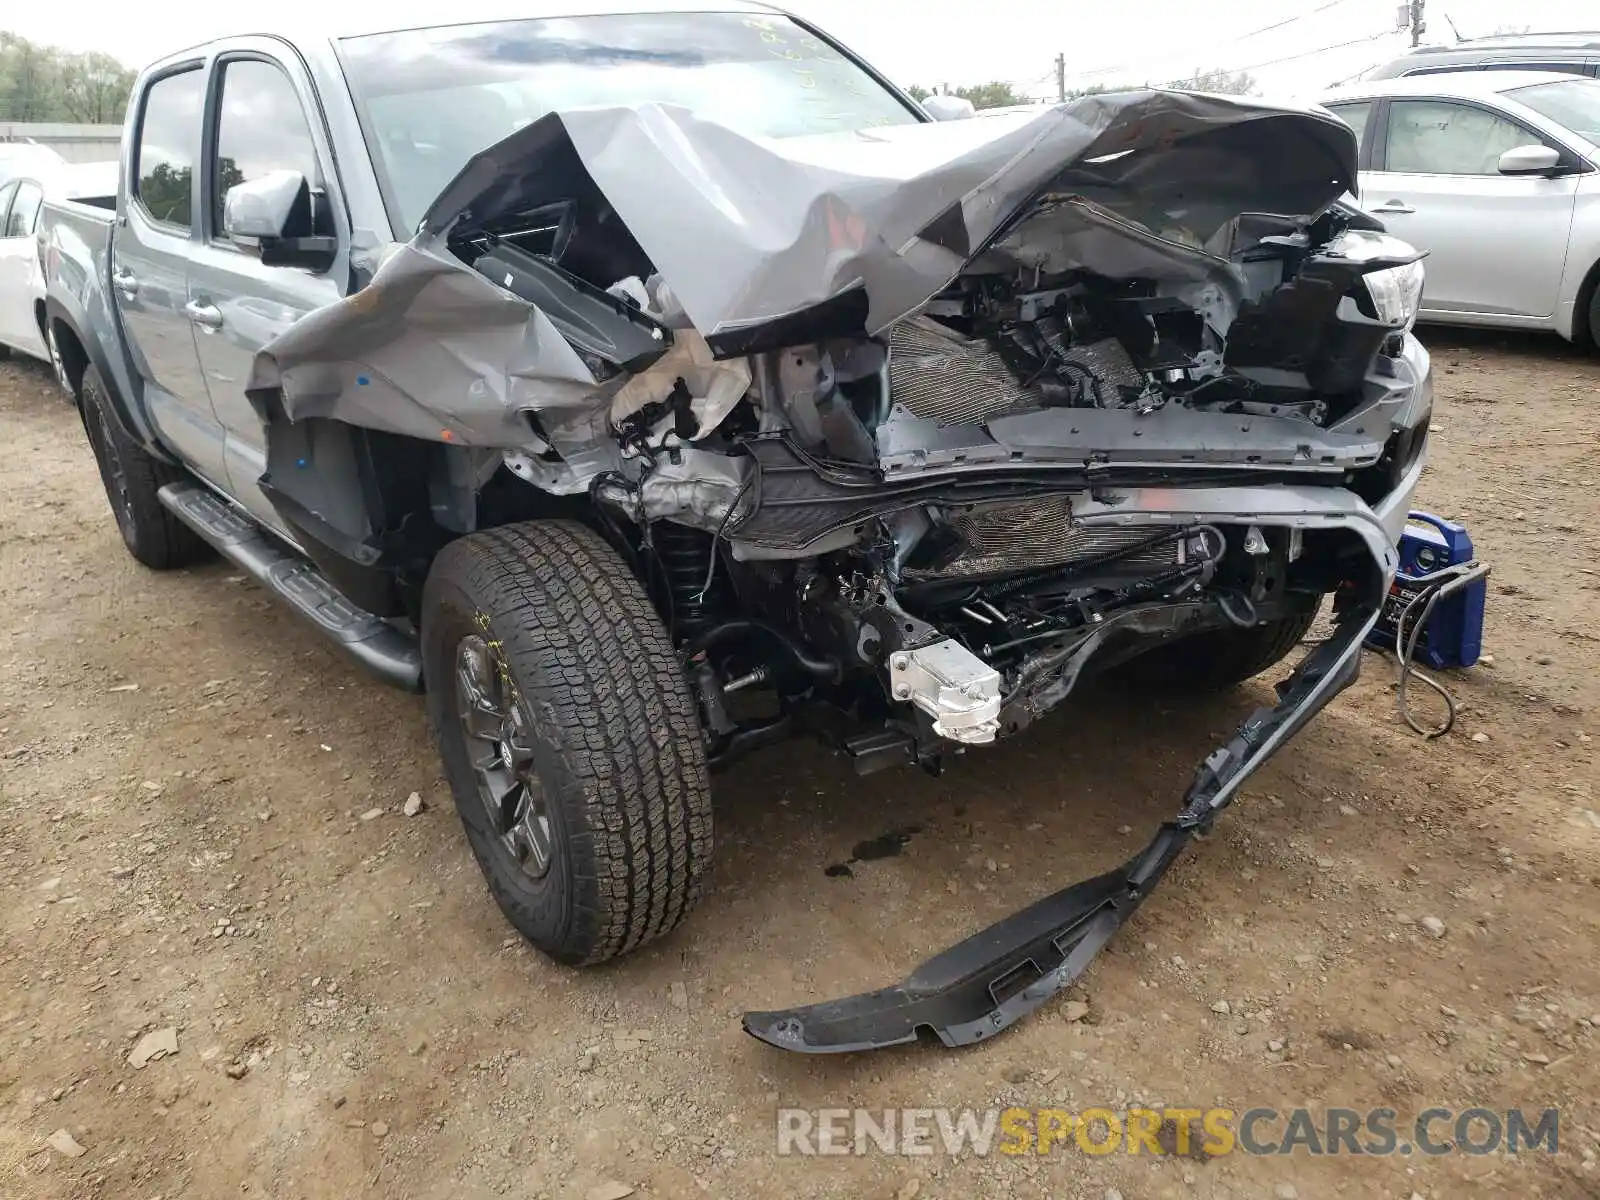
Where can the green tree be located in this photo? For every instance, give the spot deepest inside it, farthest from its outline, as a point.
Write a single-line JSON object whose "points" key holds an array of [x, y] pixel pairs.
{"points": [[166, 192], [42, 83], [991, 95], [94, 88], [918, 93], [1218, 79]]}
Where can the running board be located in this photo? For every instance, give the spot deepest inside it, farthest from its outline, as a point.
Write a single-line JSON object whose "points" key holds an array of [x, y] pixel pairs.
{"points": [[369, 640]]}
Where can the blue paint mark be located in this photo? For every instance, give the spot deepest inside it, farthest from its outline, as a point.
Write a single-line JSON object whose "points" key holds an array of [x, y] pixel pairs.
{"points": [[301, 463], [361, 381]]}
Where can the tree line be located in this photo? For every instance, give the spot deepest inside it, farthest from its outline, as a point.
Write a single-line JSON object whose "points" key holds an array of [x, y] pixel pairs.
{"points": [[1004, 95], [44, 83]]}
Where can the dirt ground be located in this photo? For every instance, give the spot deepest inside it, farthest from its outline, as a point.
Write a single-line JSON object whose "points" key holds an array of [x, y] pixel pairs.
{"points": [[187, 841]]}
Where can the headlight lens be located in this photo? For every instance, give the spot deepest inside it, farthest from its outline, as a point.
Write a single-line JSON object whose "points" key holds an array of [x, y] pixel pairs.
{"points": [[1396, 293]]}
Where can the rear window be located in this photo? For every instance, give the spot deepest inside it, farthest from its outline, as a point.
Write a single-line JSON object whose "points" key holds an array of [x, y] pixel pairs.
{"points": [[169, 142], [1573, 103], [432, 98]]}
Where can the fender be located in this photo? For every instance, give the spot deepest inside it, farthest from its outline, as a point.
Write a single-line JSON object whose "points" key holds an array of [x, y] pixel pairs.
{"points": [[131, 420]]}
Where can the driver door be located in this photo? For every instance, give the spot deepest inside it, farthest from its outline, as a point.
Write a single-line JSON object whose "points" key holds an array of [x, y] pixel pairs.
{"points": [[1496, 244], [240, 303]]}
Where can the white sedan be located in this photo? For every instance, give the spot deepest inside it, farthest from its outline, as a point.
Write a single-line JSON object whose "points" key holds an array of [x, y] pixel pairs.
{"points": [[1497, 175], [21, 280]]}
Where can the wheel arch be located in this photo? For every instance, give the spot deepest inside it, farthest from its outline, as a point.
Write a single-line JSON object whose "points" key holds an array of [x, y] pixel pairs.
{"points": [[74, 358], [1583, 332], [87, 351]]}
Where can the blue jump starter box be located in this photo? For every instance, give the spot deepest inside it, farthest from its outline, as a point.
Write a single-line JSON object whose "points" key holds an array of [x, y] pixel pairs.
{"points": [[1453, 636]]}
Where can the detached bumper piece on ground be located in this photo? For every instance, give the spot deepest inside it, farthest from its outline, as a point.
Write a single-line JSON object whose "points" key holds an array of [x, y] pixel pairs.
{"points": [[987, 983]]}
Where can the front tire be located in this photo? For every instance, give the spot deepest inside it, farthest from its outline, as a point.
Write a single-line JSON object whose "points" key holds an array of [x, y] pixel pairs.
{"points": [[132, 478], [1220, 659], [569, 737]]}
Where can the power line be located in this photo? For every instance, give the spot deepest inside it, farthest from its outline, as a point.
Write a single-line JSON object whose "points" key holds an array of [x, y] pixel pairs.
{"points": [[1313, 53], [1286, 21], [1130, 66], [1356, 76]]}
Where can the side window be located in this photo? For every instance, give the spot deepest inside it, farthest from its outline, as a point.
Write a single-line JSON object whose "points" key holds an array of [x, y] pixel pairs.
{"points": [[1436, 137], [24, 210], [1354, 115], [6, 192], [169, 134], [260, 128]]}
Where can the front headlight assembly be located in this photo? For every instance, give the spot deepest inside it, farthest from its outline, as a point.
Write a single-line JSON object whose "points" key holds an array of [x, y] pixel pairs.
{"points": [[1391, 275], [1396, 293]]}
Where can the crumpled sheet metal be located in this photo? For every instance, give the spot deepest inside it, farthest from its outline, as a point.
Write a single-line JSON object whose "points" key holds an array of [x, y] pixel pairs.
{"points": [[744, 231], [749, 230], [429, 349]]}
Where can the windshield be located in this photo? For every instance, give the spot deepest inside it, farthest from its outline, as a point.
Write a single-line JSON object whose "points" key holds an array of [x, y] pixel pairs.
{"points": [[1574, 103], [432, 98]]}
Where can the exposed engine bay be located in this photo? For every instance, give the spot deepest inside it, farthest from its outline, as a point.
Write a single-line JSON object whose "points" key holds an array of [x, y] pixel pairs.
{"points": [[949, 612]]}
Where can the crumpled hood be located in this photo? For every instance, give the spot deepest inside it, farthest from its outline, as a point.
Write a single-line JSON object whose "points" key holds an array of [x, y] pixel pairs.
{"points": [[867, 226], [766, 243]]}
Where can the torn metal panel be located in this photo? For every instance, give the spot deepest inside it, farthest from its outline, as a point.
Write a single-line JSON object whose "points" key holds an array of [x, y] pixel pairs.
{"points": [[750, 232], [431, 350]]}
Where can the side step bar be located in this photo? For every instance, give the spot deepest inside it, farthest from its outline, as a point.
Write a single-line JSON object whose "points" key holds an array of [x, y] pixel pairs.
{"points": [[369, 640]]}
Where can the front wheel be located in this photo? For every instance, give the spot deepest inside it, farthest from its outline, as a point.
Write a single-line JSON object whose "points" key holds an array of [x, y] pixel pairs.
{"points": [[1219, 659], [569, 737]]}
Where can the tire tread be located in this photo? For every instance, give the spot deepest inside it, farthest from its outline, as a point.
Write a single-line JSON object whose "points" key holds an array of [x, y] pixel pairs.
{"points": [[598, 668]]}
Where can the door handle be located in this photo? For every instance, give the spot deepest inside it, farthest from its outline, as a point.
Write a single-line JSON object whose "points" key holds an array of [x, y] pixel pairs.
{"points": [[208, 315], [125, 283], [1394, 206]]}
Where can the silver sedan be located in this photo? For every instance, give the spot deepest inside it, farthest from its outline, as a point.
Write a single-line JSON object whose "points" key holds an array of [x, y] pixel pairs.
{"points": [[1497, 175]]}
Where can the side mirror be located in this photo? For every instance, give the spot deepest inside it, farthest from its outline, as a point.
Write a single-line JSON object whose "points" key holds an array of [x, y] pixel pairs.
{"points": [[275, 212], [948, 108], [1530, 160]]}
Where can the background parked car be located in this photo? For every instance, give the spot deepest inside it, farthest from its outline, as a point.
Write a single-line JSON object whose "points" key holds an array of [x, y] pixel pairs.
{"points": [[18, 159], [1494, 174], [21, 279], [1568, 53]]}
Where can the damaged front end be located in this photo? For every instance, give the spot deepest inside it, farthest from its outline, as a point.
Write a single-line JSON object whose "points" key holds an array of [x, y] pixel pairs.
{"points": [[909, 432]]}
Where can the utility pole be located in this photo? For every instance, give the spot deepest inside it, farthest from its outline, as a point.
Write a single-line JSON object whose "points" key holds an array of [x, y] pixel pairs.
{"points": [[1061, 78], [1418, 25]]}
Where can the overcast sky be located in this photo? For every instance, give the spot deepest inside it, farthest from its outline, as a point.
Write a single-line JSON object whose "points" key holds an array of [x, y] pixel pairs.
{"points": [[917, 41]]}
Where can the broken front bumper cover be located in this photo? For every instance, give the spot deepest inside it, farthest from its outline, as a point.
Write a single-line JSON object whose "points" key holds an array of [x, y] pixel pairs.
{"points": [[983, 985]]}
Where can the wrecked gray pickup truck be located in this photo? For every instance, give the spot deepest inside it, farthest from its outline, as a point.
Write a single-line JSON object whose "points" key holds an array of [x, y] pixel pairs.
{"points": [[648, 387]]}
